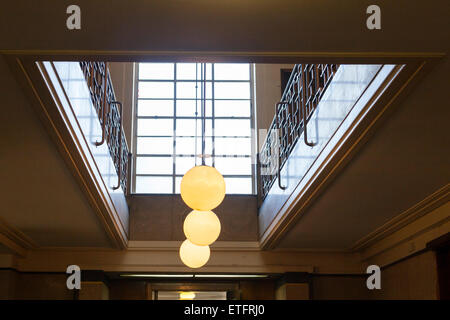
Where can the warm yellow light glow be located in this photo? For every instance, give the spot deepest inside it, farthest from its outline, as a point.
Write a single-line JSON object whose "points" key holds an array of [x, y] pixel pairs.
{"points": [[202, 188], [192, 255], [187, 295], [201, 227]]}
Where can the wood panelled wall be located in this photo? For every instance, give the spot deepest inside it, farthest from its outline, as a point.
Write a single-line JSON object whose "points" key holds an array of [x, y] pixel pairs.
{"points": [[339, 287], [412, 278], [128, 290], [33, 286], [257, 290]]}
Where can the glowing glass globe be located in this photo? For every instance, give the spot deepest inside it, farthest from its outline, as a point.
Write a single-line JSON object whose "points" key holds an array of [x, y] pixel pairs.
{"points": [[194, 256], [187, 295], [201, 227], [202, 188]]}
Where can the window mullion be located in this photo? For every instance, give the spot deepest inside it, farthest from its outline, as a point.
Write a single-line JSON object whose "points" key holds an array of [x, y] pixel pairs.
{"points": [[213, 145], [174, 126]]}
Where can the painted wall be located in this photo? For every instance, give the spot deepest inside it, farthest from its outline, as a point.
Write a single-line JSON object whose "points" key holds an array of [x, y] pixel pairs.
{"points": [[253, 25], [267, 92], [35, 167], [161, 217]]}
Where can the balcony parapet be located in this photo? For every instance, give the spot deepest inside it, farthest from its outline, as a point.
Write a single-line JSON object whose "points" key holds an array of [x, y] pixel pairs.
{"points": [[304, 90], [110, 116], [350, 102], [75, 116]]}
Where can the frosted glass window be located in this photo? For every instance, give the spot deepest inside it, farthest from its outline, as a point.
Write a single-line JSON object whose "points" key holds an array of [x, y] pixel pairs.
{"points": [[154, 165], [156, 71], [168, 118], [154, 145], [234, 165], [232, 90], [177, 184], [186, 145], [231, 71], [183, 164], [187, 108], [186, 90], [232, 108], [186, 71], [146, 184], [233, 127], [186, 127], [155, 89], [238, 185], [155, 127], [152, 108], [233, 146]]}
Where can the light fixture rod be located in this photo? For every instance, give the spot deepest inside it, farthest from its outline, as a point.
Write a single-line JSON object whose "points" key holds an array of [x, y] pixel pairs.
{"points": [[203, 114], [196, 113]]}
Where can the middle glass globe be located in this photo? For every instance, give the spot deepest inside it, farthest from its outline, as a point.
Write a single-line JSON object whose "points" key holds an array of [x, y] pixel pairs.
{"points": [[201, 227]]}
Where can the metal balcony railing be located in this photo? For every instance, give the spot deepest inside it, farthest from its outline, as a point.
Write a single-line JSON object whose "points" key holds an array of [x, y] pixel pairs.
{"points": [[300, 98], [110, 115]]}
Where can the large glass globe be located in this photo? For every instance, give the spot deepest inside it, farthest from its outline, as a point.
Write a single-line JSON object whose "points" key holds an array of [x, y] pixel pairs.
{"points": [[194, 256], [201, 227], [202, 188]]}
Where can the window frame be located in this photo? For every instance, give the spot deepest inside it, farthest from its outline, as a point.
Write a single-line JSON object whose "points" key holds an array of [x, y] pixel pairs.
{"points": [[212, 117]]}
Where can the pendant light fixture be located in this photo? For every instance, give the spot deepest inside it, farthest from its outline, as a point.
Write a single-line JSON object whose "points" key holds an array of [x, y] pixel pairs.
{"points": [[202, 227], [202, 189], [187, 295], [194, 256]]}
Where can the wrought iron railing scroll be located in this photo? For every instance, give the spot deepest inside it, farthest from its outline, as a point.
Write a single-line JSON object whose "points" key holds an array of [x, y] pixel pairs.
{"points": [[300, 98], [109, 112]]}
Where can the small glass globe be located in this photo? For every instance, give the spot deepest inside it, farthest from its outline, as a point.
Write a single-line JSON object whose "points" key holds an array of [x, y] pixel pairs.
{"points": [[202, 188], [194, 256], [201, 227], [187, 295]]}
